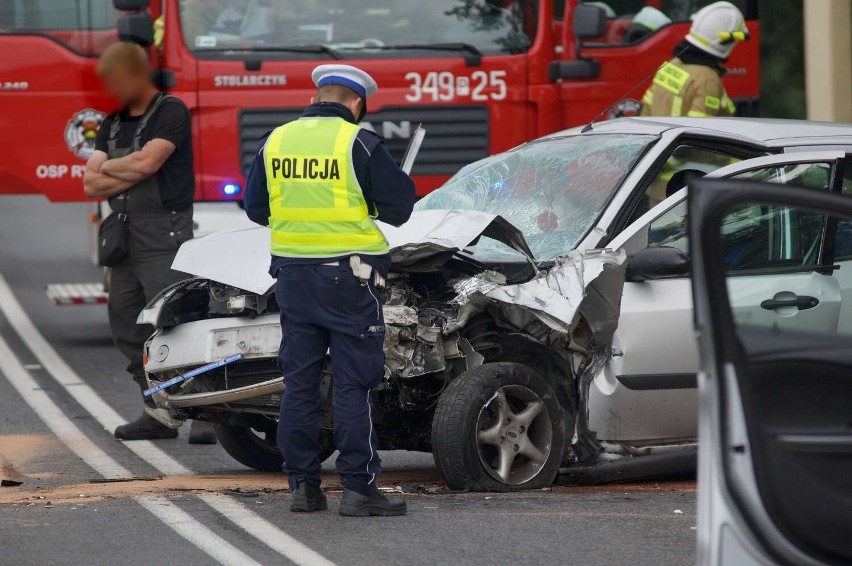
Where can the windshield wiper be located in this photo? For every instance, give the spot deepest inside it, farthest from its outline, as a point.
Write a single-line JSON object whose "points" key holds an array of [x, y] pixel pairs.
{"points": [[474, 59], [319, 49]]}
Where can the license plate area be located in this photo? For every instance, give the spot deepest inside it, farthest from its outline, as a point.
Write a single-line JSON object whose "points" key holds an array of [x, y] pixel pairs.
{"points": [[253, 342]]}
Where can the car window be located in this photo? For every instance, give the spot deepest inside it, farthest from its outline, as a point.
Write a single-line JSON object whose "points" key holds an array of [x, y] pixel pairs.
{"points": [[670, 228], [685, 163], [805, 175], [764, 238], [843, 245], [754, 238]]}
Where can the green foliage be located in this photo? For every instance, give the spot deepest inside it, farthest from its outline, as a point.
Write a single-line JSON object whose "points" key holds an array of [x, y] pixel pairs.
{"points": [[782, 81]]}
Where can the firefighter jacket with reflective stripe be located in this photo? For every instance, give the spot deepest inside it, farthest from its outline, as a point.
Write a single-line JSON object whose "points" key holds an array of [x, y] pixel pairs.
{"points": [[680, 89], [316, 205]]}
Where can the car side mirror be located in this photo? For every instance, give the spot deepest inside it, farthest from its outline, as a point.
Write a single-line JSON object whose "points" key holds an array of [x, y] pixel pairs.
{"points": [[589, 21], [662, 262]]}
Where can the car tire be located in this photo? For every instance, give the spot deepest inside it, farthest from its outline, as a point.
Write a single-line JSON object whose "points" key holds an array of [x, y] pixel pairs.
{"points": [[252, 449], [492, 414]]}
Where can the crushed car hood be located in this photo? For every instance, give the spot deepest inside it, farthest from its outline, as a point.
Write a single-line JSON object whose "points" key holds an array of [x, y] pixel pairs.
{"points": [[240, 258], [587, 282]]}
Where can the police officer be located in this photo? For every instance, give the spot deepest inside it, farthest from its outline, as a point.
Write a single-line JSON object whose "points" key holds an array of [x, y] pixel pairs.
{"points": [[320, 183], [143, 163], [691, 84]]}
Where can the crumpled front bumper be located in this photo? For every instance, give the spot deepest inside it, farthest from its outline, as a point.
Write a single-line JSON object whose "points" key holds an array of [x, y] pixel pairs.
{"points": [[194, 344]]}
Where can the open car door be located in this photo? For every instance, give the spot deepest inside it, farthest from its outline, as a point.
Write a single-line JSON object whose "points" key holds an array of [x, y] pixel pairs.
{"points": [[775, 424]]}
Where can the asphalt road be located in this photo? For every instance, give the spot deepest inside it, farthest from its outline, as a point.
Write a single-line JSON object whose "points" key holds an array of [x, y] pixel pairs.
{"points": [[62, 386]]}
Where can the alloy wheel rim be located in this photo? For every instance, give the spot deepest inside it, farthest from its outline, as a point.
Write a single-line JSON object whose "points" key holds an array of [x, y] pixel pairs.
{"points": [[514, 435]]}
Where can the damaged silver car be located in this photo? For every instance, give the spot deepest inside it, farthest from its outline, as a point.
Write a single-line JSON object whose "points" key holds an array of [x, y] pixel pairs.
{"points": [[516, 346], [446, 317]]}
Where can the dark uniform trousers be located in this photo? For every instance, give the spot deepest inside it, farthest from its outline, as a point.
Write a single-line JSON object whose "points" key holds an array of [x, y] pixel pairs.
{"points": [[325, 309], [155, 234]]}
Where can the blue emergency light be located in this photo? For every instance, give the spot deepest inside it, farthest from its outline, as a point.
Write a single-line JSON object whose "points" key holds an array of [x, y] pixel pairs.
{"points": [[231, 189]]}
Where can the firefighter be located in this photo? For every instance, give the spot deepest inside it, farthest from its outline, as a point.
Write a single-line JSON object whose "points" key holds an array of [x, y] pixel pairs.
{"points": [[143, 164], [320, 183], [691, 84], [646, 21]]}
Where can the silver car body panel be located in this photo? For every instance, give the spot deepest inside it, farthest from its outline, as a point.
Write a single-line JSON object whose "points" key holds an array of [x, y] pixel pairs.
{"points": [[656, 411]]}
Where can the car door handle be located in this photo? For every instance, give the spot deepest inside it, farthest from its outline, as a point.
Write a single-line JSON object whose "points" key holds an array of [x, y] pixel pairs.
{"points": [[801, 302]]}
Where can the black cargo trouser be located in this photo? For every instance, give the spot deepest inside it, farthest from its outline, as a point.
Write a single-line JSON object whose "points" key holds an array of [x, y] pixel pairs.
{"points": [[134, 282]]}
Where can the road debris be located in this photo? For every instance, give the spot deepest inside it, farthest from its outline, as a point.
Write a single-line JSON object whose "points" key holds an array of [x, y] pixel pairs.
{"points": [[10, 483], [241, 493]]}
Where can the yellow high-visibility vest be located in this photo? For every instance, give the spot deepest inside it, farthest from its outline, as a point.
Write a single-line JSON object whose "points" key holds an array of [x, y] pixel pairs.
{"points": [[317, 208], [681, 89]]}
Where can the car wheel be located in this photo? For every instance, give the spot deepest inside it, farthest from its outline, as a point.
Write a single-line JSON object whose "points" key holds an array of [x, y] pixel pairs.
{"points": [[259, 450], [498, 427]]}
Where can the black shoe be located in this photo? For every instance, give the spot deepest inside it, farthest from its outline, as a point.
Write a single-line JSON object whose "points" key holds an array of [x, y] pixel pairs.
{"points": [[201, 432], [376, 504], [145, 428], [308, 498]]}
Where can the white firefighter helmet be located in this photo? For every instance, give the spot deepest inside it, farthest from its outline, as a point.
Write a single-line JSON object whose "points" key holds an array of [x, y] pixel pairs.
{"points": [[717, 28], [651, 18]]}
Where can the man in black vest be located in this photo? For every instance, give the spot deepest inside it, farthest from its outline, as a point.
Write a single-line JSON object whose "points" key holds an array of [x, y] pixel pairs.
{"points": [[143, 164]]}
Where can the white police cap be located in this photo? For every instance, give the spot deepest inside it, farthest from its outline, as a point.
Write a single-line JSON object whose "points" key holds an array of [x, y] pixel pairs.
{"points": [[348, 76]]}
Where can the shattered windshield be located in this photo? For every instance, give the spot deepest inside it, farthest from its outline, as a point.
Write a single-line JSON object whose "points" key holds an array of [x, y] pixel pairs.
{"points": [[552, 190], [379, 28]]}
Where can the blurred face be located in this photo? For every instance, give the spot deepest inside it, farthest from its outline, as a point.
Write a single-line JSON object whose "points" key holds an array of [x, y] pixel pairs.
{"points": [[125, 86]]}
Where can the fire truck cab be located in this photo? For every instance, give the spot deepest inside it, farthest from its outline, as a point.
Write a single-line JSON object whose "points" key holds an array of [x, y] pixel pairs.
{"points": [[480, 75]]}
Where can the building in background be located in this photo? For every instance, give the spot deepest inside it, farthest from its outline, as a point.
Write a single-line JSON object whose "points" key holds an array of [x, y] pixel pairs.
{"points": [[828, 59]]}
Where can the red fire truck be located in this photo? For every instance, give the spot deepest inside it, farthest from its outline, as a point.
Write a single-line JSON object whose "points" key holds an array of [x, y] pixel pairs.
{"points": [[480, 75]]}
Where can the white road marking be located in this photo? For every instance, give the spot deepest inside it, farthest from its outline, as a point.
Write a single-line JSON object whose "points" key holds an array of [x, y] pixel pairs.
{"points": [[76, 387], [61, 426], [255, 524], [195, 532], [72, 437], [62, 373]]}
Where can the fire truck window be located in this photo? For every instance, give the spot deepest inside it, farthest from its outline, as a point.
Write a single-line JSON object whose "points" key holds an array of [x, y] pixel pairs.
{"points": [[631, 21], [370, 28], [84, 26]]}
